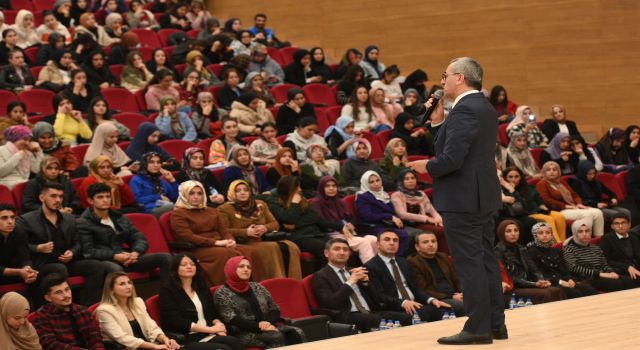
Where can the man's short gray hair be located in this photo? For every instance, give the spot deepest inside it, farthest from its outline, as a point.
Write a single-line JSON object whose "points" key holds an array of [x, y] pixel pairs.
{"points": [[471, 69]]}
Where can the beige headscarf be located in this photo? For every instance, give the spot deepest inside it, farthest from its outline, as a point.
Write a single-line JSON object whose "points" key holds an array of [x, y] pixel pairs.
{"points": [[519, 118], [24, 337], [183, 197], [98, 147], [576, 226], [556, 183]]}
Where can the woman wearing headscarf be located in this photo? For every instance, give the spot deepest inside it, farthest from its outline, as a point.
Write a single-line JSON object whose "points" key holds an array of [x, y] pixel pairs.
{"points": [[319, 67], [57, 73], [587, 262], [559, 123], [176, 18], [612, 152], [515, 207], [113, 25], [26, 29], [254, 82], [353, 169], [198, 15], [412, 204], [527, 279], [135, 75], [299, 71], [8, 44], [304, 136], [249, 307], [194, 222], [385, 112], [101, 171], [340, 137], [514, 185], [243, 43], [372, 66], [558, 195], [154, 187], [241, 167], [285, 165], [88, 25], [16, 331], [50, 171], [414, 105], [146, 140], [62, 11], [54, 43], [353, 78], [44, 134], [594, 193], [559, 151], [631, 143], [293, 110], [338, 220], [98, 72], [389, 83], [204, 112], [250, 112], [519, 155], [293, 212], [80, 91], [16, 115], [522, 124], [51, 25], [105, 143], [128, 42], [548, 261], [19, 156], [374, 207], [193, 169], [417, 80], [317, 166], [395, 158], [248, 220], [174, 124], [418, 141]]}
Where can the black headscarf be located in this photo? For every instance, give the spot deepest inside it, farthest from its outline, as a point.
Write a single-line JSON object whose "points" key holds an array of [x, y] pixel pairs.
{"points": [[155, 178], [247, 97]]}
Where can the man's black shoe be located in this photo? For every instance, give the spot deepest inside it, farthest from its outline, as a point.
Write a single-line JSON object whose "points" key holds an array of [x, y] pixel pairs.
{"points": [[500, 333], [466, 338]]}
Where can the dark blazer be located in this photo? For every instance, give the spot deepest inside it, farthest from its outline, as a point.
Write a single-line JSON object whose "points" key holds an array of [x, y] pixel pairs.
{"points": [[33, 226], [384, 283], [9, 79], [31, 200], [426, 279], [614, 252], [550, 128], [464, 171], [177, 311], [335, 296]]}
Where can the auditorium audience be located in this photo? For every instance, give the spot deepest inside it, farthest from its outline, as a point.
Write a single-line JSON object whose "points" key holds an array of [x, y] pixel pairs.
{"points": [[292, 111], [622, 249], [434, 273], [299, 72], [16, 75], [9, 44], [98, 72], [139, 17], [527, 279], [353, 77], [101, 171], [173, 123], [269, 69], [519, 156], [145, 141], [352, 57], [418, 141], [560, 151], [55, 42], [230, 90], [61, 323], [243, 43], [317, 166], [99, 113], [162, 85], [360, 109], [414, 105], [354, 167], [389, 83], [254, 82], [505, 108], [160, 61], [548, 261], [56, 74], [410, 203], [79, 91], [205, 115], [45, 135], [19, 156], [417, 80], [193, 168], [340, 137], [525, 123], [50, 172], [631, 141], [104, 143], [16, 331], [124, 319], [513, 207], [26, 29], [559, 123], [251, 112], [372, 66], [154, 188], [319, 67], [88, 25], [241, 167], [588, 263], [14, 261], [612, 151], [135, 75], [285, 164], [265, 148], [305, 135], [16, 115], [221, 148], [385, 110]]}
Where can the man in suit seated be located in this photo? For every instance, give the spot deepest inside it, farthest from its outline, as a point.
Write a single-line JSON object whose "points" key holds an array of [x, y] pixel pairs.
{"points": [[391, 276], [434, 273], [346, 294], [622, 249]]}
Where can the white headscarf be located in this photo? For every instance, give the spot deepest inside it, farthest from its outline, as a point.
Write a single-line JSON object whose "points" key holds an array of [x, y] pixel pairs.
{"points": [[364, 187]]}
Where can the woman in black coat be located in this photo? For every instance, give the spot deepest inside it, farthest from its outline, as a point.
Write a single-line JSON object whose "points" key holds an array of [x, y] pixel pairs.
{"points": [[182, 299], [295, 109], [299, 72]]}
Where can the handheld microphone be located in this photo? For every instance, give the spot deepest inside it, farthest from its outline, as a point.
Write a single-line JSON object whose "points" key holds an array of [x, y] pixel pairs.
{"points": [[436, 99]]}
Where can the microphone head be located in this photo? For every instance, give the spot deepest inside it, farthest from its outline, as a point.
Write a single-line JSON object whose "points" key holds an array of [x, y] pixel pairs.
{"points": [[438, 94]]}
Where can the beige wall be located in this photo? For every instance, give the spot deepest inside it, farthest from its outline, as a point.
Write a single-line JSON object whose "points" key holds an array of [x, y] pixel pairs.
{"points": [[584, 54]]}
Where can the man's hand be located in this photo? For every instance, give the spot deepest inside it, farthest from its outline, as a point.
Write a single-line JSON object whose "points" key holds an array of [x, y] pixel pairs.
{"points": [[419, 166], [121, 257], [411, 306], [66, 257], [633, 272], [439, 303], [358, 274], [45, 248], [266, 326]]}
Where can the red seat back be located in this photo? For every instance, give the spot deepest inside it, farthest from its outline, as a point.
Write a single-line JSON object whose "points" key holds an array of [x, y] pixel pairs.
{"points": [[279, 92], [323, 121], [150, 228], [168, 51], [141, 101], [146, 52], [10, 16], [35, 71], [289, 294], [308, 291], [17, 192], [216, 68], [164, 34], [333, 113], [384, 137], [502, 134], [131, 121], [595, 240], [275, 55], [38, 101], [6, 195], [116, 70], [32, 55], [193, 33], [609, 180], [350, 203], [621, 178], [153, 308], [80, 150], [120, 99], [536, 154], [148, 38], [165, 224], [176, 148], [43, 5], [320, 94], [287, 54], [7, 97], [377, 152]]}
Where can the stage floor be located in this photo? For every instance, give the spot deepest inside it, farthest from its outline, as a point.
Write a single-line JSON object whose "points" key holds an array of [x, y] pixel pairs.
{"points": [[605, 321]]}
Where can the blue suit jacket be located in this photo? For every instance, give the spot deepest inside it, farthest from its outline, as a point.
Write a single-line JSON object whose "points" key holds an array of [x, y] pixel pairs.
{"points": [[464, 171], [385, 285]]}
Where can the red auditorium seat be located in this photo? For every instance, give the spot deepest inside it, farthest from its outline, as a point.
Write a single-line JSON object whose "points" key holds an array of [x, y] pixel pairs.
{"points": [[168, 51], [22, 5], [15, 287], [502, 134], [16, 193], [216, 68], [193, 33], [38, 101], [334, 68], [116, 70], [333, 113], [176, 148], [275, 55], [180, 68], [77, 182], [164, 34], [6, 196], [10, 16], [148, 38], [124, 144], [609, 180], [308, 292], [281, 139], [320, 95], [5, 98], [36, 118], [146, 52], [279, 92], [377, 152], [43, 5], [120, 99], [536, 153], [621, 178], [287, 55], [153, 308], [131, 121], [249, 139], [205, 145], [150, 228], [165, 224], [80, 151], [215, 91], [323, 120], [141, 101], [35, 71], [384, 137]]}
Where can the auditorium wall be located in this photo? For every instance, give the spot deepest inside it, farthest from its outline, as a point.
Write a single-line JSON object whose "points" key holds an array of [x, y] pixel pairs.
{"points": [[584, 54]]}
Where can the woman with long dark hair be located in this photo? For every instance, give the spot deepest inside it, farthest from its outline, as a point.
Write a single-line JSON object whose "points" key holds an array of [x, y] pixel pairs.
{"points": [[505, 109], [99, 113]]}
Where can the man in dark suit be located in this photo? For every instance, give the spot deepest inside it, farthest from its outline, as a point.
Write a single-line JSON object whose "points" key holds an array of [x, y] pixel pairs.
{"points": [[434, 274], [346, 294], [466, 192], [621, 249], [391, 276]]}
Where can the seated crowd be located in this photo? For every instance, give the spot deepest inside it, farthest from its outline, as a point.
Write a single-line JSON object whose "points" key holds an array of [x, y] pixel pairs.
{"points": [[266, 187]]}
